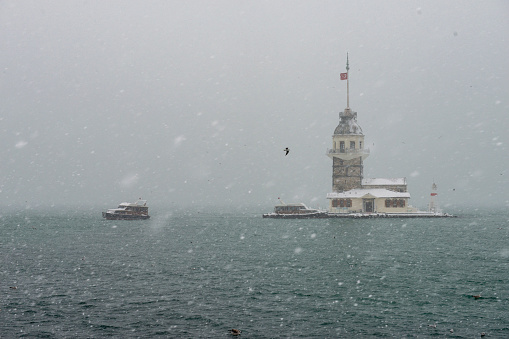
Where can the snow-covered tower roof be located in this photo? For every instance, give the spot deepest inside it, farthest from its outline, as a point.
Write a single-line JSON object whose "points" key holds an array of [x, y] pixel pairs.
{"points": [[348, 123]]}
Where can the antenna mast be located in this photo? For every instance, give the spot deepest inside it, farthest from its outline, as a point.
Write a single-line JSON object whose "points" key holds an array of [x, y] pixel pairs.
{"points": [[347, 87]]}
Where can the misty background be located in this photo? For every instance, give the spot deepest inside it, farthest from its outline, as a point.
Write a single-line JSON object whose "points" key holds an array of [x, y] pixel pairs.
{"points": [[191, 103]]}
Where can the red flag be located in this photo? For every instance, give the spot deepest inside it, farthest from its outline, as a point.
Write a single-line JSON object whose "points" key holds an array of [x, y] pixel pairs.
{"points": [[344, 76]]}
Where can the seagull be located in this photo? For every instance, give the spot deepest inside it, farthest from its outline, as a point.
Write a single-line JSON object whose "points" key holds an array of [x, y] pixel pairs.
{"points": [[287, 150], [234, 331]]}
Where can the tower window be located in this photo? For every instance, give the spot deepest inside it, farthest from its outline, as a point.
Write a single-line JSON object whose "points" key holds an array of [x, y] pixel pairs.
{"points": [[360, 144], [352, 144], [341, 146]]}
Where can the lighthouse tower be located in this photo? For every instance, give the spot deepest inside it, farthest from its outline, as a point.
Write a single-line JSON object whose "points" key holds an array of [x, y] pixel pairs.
{"points": [[348, 152]]}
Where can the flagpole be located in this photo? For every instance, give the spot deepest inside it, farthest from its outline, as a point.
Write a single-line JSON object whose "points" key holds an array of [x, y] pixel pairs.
{"points": [[347, 85]]}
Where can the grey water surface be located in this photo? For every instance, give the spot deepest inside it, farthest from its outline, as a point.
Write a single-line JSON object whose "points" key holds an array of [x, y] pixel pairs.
{"points": [[197, 275]]}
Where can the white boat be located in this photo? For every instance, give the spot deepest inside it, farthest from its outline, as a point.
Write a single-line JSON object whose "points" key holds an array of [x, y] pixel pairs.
{"points": [[295, 211], [128, 211]]}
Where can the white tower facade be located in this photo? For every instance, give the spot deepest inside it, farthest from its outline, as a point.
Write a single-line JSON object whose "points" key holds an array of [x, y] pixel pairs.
{"points": [[348, 151]]}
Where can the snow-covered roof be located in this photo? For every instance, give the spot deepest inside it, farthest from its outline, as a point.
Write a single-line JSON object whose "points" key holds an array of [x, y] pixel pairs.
{"points": [[348, 123], [364, 192], [383, 181], [137, 203]]}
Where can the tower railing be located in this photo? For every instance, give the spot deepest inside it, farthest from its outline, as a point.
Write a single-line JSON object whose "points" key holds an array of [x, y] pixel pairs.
{"points": [[348, 151]]}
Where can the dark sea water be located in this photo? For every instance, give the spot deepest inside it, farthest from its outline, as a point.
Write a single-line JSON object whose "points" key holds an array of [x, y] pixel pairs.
{"points": [[197, 275]]}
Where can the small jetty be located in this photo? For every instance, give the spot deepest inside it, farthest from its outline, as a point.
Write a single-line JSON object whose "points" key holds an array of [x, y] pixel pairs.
{"points": [[329, 215], [390, 215]]}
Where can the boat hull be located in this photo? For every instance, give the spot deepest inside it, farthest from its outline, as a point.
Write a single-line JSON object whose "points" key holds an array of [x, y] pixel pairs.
{"points": [[316, 215], [111, 216]]}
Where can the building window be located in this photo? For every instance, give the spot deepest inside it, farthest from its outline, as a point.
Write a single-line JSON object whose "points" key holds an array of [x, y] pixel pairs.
{"points": [[360, 144], [387, 203], [342, 146], [352, 144], [402, 203], [394, 203], [342, 202]]}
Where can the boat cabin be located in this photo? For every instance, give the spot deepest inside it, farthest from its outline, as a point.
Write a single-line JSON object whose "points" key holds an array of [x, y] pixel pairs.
{"points": [[297, 208]]}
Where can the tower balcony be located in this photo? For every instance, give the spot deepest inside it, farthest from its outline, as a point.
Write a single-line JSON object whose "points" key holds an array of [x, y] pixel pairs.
{"points": [[348, 153]]}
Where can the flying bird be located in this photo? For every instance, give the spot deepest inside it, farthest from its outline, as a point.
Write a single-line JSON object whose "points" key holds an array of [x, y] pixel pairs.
{"points": [[287, 150]]}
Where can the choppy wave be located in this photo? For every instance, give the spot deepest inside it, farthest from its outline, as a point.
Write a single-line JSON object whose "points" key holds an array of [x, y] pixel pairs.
{"points": [[201, 275]]}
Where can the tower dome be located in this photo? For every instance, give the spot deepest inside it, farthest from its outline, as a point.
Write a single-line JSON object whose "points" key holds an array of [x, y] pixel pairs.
{"points": [[348, 123]]}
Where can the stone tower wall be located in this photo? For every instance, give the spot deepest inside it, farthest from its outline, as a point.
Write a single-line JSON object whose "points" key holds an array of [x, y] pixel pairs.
{"points": [[346, 174]]}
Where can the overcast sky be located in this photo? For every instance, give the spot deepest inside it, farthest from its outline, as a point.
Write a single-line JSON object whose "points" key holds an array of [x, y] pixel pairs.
{"points": [[191, 103]]}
